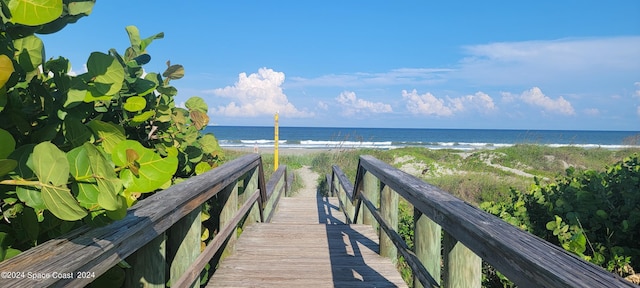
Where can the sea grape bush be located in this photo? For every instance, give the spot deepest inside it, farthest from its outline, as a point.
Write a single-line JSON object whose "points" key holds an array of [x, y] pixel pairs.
{"points": [[82, 149], [595, 215]]}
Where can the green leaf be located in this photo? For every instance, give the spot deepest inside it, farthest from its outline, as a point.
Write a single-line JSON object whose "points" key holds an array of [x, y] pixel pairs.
{"points": [[197, 103], [3, 95], [143, 87], [35, 12], [209, 144], [76, 132], [134, 37], [50, 164], [578, 243], [7, 165], [62, 204], [109, 185], [6, 69], [83, 7], [143, 117], [30, 52], [108, 133], [106, 72], [29, 222], [153, 170], [31, 197], [135, 104], [80, 169], [174, 72], [8, 143], [202, 167], [147, 41]]}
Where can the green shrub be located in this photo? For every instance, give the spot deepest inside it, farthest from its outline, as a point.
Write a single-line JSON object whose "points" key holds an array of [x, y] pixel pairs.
{"points": [[82, 149]]}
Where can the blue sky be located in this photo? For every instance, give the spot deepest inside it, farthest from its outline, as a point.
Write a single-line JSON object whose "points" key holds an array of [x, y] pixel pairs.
{"points": [[423, 64]]}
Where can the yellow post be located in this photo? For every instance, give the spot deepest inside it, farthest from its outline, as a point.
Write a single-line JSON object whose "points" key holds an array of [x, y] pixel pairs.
{"points": [[275, 147]]}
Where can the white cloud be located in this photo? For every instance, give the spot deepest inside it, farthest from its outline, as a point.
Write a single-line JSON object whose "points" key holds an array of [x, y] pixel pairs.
{"points": [[352, 105], [428, 104], [592, 111], [401, 76], [558, 61], [322, 105], [637, 94], [258, 94], [537, 98]]}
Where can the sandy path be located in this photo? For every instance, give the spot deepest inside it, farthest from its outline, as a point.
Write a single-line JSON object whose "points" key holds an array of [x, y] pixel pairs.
{"points": [[310, 181]]}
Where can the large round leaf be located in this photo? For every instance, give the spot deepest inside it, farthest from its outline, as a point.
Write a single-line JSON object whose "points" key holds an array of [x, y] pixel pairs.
{"points": [[62, 204], [107, 73], [135, 104], [30, 52], [145, 170], [7, 165], [197, 103], [209, 144], [85, 186], [109, 185], [108, 133], [35, 12], [6, 69], [8, 144], [50, 164]]}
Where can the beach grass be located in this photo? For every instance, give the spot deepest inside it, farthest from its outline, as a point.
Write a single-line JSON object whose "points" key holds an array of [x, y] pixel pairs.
{"points": [[474, 176]]}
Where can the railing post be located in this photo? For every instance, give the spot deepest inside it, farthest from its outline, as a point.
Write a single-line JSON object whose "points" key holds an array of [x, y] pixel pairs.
{"points": [[427, 244], [226, 215], [148, 265], [183, 244], [251, 186], [370, 188], [462, 268], [389, 211]]}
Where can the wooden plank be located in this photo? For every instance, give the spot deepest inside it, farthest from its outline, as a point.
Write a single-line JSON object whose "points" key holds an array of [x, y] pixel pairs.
{"points": [[148, 265], [316, 210], [98, 249], [462, 268], [322, 256], [427, 244], [216, 243], [389, 212], [183, 246], [525, 259]]}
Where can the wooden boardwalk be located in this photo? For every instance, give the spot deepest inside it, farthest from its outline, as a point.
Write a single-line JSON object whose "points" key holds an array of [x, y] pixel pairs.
{"points": [[307, 244]]}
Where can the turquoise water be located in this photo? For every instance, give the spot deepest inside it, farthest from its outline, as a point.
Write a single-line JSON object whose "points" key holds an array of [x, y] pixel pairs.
{"points": [[387, 138]]}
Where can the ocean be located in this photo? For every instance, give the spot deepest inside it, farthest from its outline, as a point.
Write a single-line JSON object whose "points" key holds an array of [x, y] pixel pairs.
{"points": [[391, 138]]}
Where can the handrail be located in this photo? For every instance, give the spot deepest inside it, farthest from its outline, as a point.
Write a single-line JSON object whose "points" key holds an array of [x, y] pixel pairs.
{"points": [[96, 250], [523, 258]]}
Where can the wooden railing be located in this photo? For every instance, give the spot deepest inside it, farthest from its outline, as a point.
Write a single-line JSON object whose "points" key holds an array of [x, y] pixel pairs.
{"points": [[158, 234], [453, 257]]}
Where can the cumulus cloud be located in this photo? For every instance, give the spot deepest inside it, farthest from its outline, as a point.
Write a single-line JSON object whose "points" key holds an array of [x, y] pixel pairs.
{"points": [[258, 94], [352, 105], [637, 94], [428, 104], [537, 98]]}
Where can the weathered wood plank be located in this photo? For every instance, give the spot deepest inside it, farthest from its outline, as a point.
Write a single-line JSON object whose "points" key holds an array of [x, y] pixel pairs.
{"points": [[183, 246], [427, 243], [97, 250], [302, 210], [525, 259], [321, 256]]}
